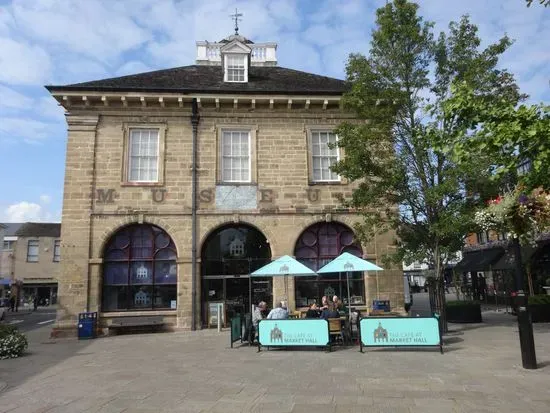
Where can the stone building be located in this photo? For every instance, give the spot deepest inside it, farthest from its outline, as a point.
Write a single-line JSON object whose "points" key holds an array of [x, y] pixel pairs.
{"points": [[29, 261], [181, 182]]}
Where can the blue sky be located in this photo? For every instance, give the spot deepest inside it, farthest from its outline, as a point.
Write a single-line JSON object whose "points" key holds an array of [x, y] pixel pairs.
{"points": [[68, 41]]}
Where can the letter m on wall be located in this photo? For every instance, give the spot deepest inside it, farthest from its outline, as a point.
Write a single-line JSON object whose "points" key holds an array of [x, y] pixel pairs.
{"points": [[105, 196]]}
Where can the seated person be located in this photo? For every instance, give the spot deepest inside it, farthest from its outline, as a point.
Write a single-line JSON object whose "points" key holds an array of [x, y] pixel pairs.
{"points": [[340, 307], [313, 311], [329, 312], [256, 317], [324, 303], [278, 313]]}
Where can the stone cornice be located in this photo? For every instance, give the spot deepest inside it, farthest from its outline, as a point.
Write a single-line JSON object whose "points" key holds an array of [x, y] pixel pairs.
{"points": [[83, 99]]}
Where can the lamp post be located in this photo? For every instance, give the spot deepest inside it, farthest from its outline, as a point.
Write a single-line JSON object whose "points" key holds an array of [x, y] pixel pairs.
{"points": [[525, 326]]}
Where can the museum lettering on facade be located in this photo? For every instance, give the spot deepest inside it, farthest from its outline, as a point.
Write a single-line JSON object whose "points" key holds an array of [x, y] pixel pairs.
{"points": [[181, 182]]}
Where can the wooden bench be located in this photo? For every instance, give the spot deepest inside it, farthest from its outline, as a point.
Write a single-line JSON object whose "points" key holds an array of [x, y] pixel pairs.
{"points": [[149, 323]]}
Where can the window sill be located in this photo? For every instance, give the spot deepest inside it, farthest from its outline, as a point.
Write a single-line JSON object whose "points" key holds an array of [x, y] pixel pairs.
{"points": [[136, 313], [236, 184], [153, 184], [315, 183]]}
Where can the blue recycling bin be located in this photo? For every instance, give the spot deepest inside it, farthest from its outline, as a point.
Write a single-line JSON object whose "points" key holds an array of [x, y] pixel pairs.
{"points": [[381, 305], [87, 326]]}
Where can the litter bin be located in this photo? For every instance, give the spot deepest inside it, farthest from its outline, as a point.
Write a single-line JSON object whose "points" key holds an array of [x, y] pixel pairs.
{"points": [[87, 326], [381, 305]]}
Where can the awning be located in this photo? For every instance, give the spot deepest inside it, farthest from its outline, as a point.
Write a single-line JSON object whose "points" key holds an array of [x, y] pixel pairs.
{"points": [[5, 281], [506, 262], [479, 260]]}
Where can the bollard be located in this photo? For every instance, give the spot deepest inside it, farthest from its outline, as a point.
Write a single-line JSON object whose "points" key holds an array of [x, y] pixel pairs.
{"points": [[220, 309]]}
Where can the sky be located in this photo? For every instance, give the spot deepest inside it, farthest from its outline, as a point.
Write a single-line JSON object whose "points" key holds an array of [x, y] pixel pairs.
{"points": [[45, 42]]}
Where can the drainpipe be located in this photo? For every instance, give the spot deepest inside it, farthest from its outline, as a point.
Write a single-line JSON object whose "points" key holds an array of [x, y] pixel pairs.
{"points": [[195, 117]]}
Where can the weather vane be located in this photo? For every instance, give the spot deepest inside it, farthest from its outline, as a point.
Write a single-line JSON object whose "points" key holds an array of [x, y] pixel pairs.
{"points": [[236, 18]]}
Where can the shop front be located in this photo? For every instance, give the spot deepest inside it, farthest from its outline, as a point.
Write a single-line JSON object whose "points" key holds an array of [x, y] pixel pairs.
{"points": [[229, 255]]}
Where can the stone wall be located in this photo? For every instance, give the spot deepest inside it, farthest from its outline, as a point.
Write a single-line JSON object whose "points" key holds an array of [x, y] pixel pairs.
{"points": [[98, 202]]}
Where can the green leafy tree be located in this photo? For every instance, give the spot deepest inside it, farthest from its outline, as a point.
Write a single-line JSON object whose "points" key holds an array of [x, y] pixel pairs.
{"points": [[406, 180], [515, 137], [545, 3]]}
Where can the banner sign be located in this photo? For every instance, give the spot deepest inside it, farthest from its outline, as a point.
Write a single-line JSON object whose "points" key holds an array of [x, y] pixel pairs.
{"points": [[399, 331], [275, 333]]}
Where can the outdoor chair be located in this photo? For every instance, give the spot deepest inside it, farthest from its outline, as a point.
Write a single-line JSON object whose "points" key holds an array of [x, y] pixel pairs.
{"points": [[335, 329]]}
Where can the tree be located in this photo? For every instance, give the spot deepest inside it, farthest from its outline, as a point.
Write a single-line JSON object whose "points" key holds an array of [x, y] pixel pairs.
{"points": [[546, 3], [406, 180], [513, 136]]}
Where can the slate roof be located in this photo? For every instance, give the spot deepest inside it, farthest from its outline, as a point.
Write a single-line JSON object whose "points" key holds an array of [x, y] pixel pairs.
{"points": [[209, 79], [11, 228], [39, 229]]}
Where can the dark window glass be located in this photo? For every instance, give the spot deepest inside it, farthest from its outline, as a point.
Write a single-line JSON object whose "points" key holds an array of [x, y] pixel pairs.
{"points": [[317, 246], [139, 271], [228, 257]]}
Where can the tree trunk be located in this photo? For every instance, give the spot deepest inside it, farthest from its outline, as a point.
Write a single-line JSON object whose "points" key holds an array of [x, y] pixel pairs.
{"points": [[437, 295]]}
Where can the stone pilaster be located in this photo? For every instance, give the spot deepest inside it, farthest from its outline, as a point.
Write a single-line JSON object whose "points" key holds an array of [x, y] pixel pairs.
{"points": [[74, 277]]}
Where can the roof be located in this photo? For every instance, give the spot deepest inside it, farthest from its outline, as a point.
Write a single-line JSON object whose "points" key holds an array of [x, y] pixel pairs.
{"points": [[11, 228], [480, 260], [508, 260], [39, 229], [209, 79]]}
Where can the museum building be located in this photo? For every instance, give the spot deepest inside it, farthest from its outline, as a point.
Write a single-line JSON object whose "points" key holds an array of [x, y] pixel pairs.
{"points": [[181, 182]]}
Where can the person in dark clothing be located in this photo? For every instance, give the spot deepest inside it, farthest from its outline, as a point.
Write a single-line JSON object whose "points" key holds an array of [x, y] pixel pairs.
{"points": [[12, 303], [35, 302], [330, 312], [313, 311]]}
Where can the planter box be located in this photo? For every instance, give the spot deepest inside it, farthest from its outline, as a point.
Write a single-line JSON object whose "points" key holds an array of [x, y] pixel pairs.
{"points": [[540, 313], [464, 313]]}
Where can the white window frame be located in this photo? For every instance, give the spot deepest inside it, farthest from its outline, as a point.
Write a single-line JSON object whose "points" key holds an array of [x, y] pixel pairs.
{"points": [[56, 249], [37, 250], [311, 134], [9, 244], [244, 61], [130, 155], [225, 179]]}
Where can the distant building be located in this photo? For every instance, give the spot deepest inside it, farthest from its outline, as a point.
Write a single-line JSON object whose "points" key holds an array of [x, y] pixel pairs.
{"points": [[488, 264], [29, 263]]}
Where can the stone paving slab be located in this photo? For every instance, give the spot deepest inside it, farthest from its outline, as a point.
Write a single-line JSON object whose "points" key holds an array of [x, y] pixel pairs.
{"points": [[198, 372]]}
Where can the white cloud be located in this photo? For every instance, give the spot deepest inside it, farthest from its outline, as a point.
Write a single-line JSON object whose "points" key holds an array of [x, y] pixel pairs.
{"points": [[12, 99], [132, 67], [100, 29], [28, 211], [22, 212], [23, 63], [26, 129]]}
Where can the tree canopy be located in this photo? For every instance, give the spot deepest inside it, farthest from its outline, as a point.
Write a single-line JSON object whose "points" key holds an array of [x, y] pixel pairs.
{"points": [[407, 181]]}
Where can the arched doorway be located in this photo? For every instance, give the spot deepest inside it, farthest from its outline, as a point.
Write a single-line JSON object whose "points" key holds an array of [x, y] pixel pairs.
{"points": [[318, 245], [228, 257], [139, 270]]}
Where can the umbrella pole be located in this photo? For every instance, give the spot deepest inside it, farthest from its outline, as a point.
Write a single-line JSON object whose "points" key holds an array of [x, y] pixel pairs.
{"points": [[349, 297]]}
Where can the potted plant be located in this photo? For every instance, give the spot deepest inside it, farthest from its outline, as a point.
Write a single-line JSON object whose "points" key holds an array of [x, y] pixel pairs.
{"points": [[463, 312]]}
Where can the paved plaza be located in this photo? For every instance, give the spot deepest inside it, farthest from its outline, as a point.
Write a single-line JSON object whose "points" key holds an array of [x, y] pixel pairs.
{"points": [[197, 371]]}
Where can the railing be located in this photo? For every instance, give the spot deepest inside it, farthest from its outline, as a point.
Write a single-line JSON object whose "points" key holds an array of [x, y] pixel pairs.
{"points": [[259, 54], [211, 52]]}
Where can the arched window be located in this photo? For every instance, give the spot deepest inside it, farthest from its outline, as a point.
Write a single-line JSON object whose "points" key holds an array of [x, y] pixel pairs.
{"points": [[228, 257], [318, 245], [139, 270]]}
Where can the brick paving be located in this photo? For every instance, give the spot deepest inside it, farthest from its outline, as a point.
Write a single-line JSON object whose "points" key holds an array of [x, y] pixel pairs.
{"points": [[198, 372]]}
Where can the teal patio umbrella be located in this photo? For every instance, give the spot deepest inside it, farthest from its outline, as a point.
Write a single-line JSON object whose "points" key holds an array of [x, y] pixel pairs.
{"points": [[347, 263], [283, 266]]}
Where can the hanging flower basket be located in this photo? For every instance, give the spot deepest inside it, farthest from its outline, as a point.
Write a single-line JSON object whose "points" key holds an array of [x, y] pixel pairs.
{"points": [[517, 214]]}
